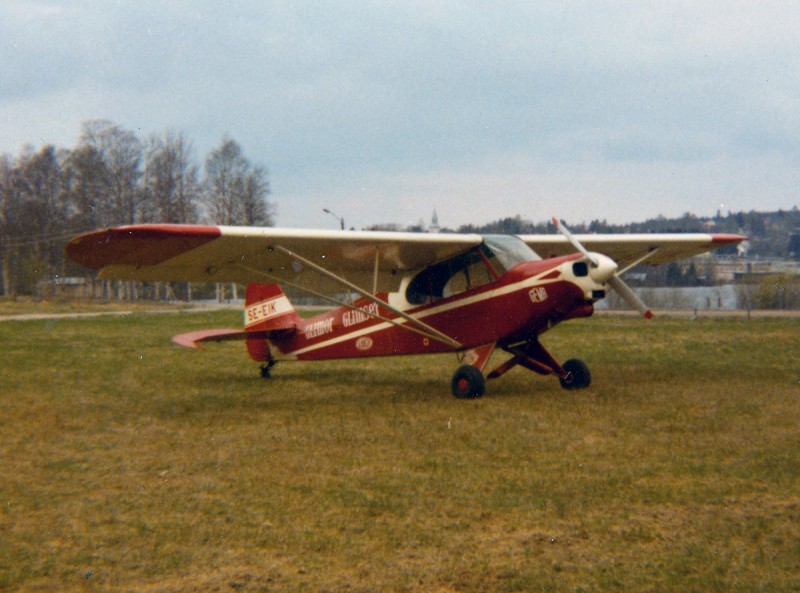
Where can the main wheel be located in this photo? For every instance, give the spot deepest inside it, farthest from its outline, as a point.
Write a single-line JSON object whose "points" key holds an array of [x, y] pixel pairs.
{"points": [[468, 382], [578, 375]]}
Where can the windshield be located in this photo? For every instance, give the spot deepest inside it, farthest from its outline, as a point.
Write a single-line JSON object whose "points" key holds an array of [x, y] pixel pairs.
{"points": [[509, 250]]}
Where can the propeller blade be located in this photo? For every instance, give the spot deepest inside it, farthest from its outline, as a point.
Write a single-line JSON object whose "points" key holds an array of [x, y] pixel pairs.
{"points": [[562, 228], [629, 296], [614, 280]]}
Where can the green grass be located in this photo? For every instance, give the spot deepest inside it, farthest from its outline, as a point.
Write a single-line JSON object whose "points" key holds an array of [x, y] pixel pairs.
{"points": [[129, 464]]}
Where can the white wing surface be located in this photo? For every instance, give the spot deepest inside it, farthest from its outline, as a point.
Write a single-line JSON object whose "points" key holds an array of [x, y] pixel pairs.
{"points": [[202, 253], [626, 249], [199, 253]]}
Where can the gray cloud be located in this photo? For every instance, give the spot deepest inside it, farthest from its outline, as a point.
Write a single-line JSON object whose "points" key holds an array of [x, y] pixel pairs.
{"points": [[370, 105]]}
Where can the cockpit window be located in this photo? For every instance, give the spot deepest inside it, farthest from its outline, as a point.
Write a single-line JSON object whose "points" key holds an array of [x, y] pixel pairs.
{"points": [[484, 264], [449, 277]]}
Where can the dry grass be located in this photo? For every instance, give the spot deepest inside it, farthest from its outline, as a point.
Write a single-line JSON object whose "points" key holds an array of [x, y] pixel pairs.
{"points": [[129, 464]]}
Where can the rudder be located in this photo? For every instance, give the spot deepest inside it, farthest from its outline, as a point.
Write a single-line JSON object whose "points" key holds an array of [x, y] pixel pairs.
{"points": [[267, 309]]}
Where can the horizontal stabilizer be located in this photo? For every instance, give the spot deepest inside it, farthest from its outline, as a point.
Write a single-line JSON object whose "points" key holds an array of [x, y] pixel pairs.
{"points": [[193, 339]]}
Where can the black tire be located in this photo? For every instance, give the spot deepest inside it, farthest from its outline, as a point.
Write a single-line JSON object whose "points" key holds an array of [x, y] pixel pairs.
{"points": [[468, 382], [578, 375]]}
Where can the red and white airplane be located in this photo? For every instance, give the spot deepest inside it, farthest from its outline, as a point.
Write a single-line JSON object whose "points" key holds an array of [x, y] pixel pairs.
{"points": [[416, 293]]}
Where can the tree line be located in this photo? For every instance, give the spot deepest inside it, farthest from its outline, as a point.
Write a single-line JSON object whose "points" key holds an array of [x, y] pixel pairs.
{"points": [[112, 177], [770, 234]]}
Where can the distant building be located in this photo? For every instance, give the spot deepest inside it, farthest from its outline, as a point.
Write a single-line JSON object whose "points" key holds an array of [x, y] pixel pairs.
{"points": [[743, 249], [434, 226], [794, 244], [741, 270], [62, 287]]}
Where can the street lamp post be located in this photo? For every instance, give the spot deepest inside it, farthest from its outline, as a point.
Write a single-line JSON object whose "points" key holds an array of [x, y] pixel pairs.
{"points": [[336, 216]]}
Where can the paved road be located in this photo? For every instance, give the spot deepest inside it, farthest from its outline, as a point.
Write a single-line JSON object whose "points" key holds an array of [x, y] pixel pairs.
{"points": [[88, 314], [36, 316]]}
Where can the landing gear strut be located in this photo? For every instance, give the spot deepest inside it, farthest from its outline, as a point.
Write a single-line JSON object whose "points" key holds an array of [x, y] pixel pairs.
{"points": [[573, 374], [265, 369]]}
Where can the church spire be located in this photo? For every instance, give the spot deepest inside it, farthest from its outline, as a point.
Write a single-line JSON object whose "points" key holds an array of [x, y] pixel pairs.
{"points": [[434, 227]]}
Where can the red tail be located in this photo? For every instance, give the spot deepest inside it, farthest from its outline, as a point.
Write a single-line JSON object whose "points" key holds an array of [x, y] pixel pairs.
{"points": [[267, 309]]}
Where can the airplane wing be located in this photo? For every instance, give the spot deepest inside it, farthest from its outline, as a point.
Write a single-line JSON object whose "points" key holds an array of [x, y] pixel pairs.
{"points": [[627, 249], [202, 253]]}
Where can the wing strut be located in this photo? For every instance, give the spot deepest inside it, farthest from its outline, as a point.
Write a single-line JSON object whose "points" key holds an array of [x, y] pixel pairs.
{"points": [[428, 329], [417, 327], [375, 272], [641, 260], [340, 302]]}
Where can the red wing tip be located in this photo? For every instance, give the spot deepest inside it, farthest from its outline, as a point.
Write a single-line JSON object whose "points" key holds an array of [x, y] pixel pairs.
{"points": [[138, 245], [727, 238]]}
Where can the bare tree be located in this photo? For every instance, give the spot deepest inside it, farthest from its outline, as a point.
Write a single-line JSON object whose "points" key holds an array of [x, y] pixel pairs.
{"points": [[7, 223], [121, 153], [171, 181], [226, 169], [86, 176], [42, 209], [170, 185], [256, 211], [235, 191], [109, 178]]}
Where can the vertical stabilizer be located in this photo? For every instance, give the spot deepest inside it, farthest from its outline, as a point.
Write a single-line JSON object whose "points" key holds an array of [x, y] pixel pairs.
{"points": [[267, 309]]}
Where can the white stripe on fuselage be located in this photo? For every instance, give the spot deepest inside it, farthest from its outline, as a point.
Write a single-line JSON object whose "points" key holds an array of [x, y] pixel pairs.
{"points": [[477, 298]]}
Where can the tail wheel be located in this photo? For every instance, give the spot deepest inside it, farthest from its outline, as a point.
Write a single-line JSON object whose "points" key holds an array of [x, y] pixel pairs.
{"points": [[578, 375], [266, 368], [468, 382]]}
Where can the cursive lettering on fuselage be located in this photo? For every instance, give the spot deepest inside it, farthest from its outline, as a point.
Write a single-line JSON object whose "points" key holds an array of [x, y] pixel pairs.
{"points": [[319, 328], [360, 315]]}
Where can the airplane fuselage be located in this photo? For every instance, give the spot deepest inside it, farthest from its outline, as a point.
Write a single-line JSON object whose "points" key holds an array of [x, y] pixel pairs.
{"points": [[520, 304]]}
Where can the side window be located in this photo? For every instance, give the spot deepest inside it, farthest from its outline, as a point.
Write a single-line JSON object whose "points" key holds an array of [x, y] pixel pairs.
{"points": [[472, 274], [451, 277]]}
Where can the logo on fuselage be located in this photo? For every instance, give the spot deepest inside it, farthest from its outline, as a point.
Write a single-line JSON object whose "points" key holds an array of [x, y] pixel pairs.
{"points": [[538, 294], [364, 343]]}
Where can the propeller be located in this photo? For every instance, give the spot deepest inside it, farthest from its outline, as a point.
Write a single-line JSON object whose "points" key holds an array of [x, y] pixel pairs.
{"points": [[562, 228], [629, 296], [613, 280]]}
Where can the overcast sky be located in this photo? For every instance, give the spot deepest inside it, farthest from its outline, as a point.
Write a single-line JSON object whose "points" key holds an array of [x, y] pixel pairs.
{"points": [[383, 111]]}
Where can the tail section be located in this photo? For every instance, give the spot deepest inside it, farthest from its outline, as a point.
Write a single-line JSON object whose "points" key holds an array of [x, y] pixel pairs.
{"points": [[268, 314], [267, 310]]}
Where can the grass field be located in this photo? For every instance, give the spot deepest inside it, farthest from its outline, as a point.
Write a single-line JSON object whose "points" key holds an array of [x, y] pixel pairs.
{"points": [[129, 464]]}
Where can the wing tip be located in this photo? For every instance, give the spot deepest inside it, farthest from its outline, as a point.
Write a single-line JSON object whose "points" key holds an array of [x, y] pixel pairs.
{"points": [[143, 244], [727, 239]]}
